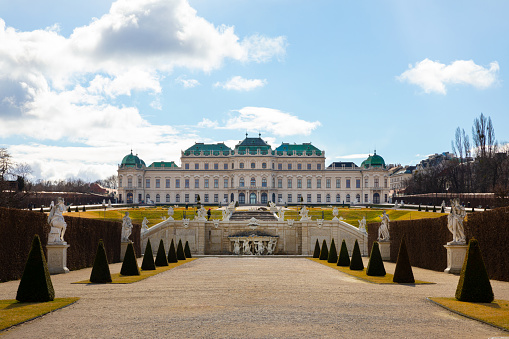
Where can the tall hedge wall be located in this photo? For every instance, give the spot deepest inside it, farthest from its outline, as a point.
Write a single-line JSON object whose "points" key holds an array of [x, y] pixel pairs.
{"points": [[426, 239], [17, 228], [491, 229]]}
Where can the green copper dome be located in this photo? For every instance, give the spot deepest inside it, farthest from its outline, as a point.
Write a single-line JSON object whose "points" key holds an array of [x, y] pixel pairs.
{"points": [[132, 160], [373, 161]]}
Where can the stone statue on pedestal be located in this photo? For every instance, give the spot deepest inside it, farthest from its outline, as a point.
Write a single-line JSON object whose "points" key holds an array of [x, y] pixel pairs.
{"points": [[127, 227], [57, 222], [383, 230], [144, 226], [170, 213], [271, 246], [455, 223], [335, 213], [236, 246], [362, 225], [246, 247], [304, 213]]}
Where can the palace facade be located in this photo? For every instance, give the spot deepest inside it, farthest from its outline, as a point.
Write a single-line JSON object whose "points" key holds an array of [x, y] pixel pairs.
{"points": [[253, 173]]}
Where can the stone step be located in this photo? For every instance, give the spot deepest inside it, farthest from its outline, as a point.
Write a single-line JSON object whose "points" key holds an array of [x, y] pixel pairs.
{"points": [[246, 215]]}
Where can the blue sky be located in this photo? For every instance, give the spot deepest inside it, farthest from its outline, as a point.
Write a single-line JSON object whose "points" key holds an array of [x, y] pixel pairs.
{"points": [[83, 82]]}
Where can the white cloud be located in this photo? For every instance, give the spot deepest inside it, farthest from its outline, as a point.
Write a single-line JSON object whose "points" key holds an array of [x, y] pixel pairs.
{"points": [[187, 83], [240, 84], [258, 119], [353, 156], [207, 123], [433, 76]]}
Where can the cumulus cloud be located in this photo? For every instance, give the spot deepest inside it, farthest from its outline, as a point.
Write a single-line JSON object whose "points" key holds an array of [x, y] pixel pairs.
{"points": [[257, 119], [433, 76], [238, 83], [187, 83]]}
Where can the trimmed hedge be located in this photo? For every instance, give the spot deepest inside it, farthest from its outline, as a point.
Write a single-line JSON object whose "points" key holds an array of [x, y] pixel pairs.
{"points": [[17, 228], [101, 270], [161, 259], [316, 253], [130, 265], [356, 263], [187, 250], [474, 284], [375, 264], [35, 284], [148, 263], [333, 254], [403, 272], [324, 253], [172, 254], [344, 258], [180, 251]]}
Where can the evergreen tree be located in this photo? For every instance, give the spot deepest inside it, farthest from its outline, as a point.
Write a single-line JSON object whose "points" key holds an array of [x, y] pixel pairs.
{"points": [[180, 251], [35, 284], [148, 263], [375, 265], [161, 259], [101, 270], [434, 208], [333, 254], [403, 272], [474, 284], [442, 209], [84, 209], [324, 253], [419, 209], [316, 253], [426, 209], [172, 255], [187, 250], [130, 265], [344, 258], [356, 263], [76, 210]]}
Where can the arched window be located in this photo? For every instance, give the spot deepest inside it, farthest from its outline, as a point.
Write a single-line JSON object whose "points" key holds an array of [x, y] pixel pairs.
{"points": [[242, 198], [338, 198], [253, 181], [358, 198], [167, 198], [264, 182], [348, 198], [253, 165], [147, 197], [177, 198], [264, 165], [241, 182], [327, 198], [158, 198]]}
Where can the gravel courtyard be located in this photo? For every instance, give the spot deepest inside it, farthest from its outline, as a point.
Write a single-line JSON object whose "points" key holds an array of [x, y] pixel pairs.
{"points": [[253, 297]]}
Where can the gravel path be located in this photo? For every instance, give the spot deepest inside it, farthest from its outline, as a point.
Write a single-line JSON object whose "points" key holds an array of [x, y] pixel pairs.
{"points": [[256, 298]]}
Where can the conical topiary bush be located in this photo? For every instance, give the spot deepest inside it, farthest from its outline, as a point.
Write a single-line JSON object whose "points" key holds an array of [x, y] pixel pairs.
{"points": [[316, 253], [324, 253], [101, 270], [148, 263], [356, 263], [333, 254], [35, 284], [180, 251], [403, 272], [172, 255], [474, 284], [376, 264], [187, 250], [130, 265], [344, 258], [161, 259]]}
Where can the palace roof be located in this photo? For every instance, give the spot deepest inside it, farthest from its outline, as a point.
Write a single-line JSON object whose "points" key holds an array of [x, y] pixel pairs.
{"points": [[165, 164], [298, 149], [373, 161], [208, 149], [132, 160]]}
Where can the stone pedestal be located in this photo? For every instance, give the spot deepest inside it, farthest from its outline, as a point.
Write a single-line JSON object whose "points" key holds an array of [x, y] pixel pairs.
{"points": [[455, 257], [123, 248], [57, 258], [385, 250]]}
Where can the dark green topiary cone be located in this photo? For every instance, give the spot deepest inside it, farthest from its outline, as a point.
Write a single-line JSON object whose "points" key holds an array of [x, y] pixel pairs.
{"points": [[101, 270], [35, 284], [356, 264], [333, 254], [148, 263], [161, 259], [376, 264], [180, 251], [316, 253], [324, 253], [130, 265], [187, 250], [474, 284], [403, 272], [344, 258], [172, 255]]}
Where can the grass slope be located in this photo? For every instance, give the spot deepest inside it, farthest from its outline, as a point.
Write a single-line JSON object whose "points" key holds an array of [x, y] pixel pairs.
{"points": [[13, 312]]}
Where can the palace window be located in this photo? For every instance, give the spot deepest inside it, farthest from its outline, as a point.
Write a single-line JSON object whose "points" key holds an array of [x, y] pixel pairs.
{"points": [[327, 183], [279, 166], [216, 198], [280, 198], [158, 198], [216, 166], [225, 183], [279, 183], [309, 183], [264, 165], [318, 183], [225, 197], [385, 182], [226, 166], [338, 183], [167, 183], [167, 198], [196, 166], [289, 166], [158, 183], [289, 197], [147, 183], [206, 183], [129, 182], [299, 183], [186, 197], [338, 198], [196, 197], [147, 197], [348, 198], [357, 183], [273, 183], [241, 165], [206, 166], [309, 166], [253, 181], [186, 166], [327, 198], [347, 183], [366, 199], [241, 182], [186, 183], [299, 166], [318, 166], [376, 182], [289, 183], [318, 198], [299, 197], [216, 183], [177, 183], [366, 182], [309, 198], [206, 197], [120, 182], [264, 182], [358, 198], [139, 182], [196, 183], [253, 165], [177, 198]]}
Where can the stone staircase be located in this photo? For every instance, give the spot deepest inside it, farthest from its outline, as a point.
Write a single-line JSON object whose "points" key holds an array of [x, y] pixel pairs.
{"points": [[246, 215]]}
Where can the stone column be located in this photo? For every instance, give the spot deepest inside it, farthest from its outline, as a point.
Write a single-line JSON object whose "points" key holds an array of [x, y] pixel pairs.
{"points": [[123, 248], [455, 258], [57, 257], [385, 250]]}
